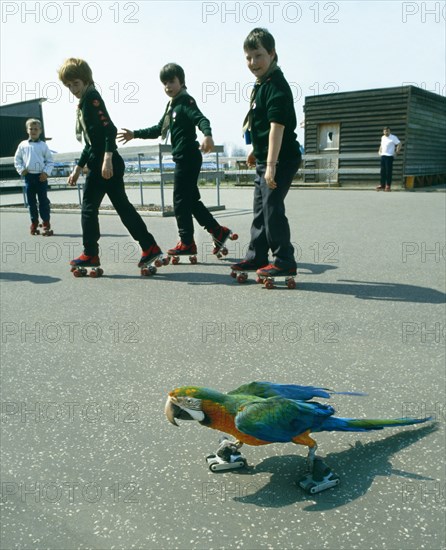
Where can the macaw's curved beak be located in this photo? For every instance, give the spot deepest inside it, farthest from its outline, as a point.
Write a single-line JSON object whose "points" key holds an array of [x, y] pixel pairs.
{"points": [[173, 411]]}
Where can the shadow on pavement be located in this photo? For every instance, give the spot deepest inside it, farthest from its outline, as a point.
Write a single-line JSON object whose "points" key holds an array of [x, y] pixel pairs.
{"points": [[27, 277], [357, 467], [79, 235], [373, 290]]}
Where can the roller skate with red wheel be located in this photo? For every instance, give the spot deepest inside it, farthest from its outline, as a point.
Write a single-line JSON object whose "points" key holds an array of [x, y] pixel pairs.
{"points": [[79, 266], [220, 235], [34, 227], [271, 272], [182, 249], [239, 271], [151, 259], [46, 229]]}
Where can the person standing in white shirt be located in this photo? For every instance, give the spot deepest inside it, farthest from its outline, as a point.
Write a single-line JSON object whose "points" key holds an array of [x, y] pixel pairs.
{"points": [[33, 160], [389, 148]]}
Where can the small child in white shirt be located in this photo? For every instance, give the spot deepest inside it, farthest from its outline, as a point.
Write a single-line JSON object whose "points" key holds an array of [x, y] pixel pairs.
{"points": [[33, 160]]}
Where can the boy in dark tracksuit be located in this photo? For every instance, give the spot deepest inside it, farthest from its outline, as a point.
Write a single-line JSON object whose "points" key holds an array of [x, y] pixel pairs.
{"points": [[270, 125], [180, 119], [106, 168]]}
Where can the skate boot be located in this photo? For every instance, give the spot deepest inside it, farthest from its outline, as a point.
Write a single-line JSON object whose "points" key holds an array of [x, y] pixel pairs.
{"points": [[220, 235], [239, 271], [33, 228], [46, 229], [79, 266], [270, 272], [152, 255], [182, 249]]}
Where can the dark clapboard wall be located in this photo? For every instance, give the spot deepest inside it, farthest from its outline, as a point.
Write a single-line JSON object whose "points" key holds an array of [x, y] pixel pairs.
{"points": [[425, 152], [13, 119], [417, 117]]}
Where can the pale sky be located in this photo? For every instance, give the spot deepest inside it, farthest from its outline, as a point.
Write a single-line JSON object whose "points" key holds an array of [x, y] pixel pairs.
{"points": [[323, 47]]}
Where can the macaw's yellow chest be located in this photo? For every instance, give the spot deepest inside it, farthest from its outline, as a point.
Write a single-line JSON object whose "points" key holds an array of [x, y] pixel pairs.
{"points": [[222, 420]]}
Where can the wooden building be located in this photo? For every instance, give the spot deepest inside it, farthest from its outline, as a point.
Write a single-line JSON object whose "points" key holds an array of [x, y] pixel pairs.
{"points": [[343, 134]]}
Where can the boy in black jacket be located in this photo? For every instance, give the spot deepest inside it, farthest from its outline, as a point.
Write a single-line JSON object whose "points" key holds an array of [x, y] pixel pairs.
{"points": [[270, 125], [180, 119], [106, 168]]}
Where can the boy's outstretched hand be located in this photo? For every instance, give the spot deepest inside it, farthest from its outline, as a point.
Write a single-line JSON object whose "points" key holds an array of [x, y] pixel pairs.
{"points": [[125, 135], [208, 145]]}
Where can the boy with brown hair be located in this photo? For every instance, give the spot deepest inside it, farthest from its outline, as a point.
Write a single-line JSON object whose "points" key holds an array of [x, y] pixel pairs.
{"points": [[106, 168]]}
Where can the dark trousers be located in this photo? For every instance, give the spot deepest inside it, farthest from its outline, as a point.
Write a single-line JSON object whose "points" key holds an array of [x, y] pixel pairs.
{"points": [[37, 191], [186, 198], [270, 229], [96, 187], [386, 170]]}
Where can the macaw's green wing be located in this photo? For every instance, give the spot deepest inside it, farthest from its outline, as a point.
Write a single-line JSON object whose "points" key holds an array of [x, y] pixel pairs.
{"points": [[280, 420], [290, 391]]}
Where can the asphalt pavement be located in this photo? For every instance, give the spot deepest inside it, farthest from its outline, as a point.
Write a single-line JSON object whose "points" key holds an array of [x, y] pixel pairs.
{"points": [[89, 460]]}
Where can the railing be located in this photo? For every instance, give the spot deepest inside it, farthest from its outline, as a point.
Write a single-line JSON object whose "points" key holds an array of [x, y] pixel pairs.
{"points": [[330, 174], [133, 154]]}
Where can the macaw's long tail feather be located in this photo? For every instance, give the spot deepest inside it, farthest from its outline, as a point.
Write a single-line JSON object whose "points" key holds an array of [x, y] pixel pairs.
{"points": [[365, 425]]}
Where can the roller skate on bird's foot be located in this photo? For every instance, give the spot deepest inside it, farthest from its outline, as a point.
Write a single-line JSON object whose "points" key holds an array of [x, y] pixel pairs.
{"points": [[79, 266], [227, 456], [319, 479]]}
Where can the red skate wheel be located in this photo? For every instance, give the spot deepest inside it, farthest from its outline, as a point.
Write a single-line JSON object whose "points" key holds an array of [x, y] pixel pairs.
{"points": [[158, 263], [291, 283], [145, 272], [269, 285], [76, 272], [242, 278], [93, 274], [233, 237], [166, 261], [193, 259], [175, 260], [234, 274]]}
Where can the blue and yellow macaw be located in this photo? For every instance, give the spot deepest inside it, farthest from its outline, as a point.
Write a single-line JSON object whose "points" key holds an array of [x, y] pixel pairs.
{"points": [[260, 413]]}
